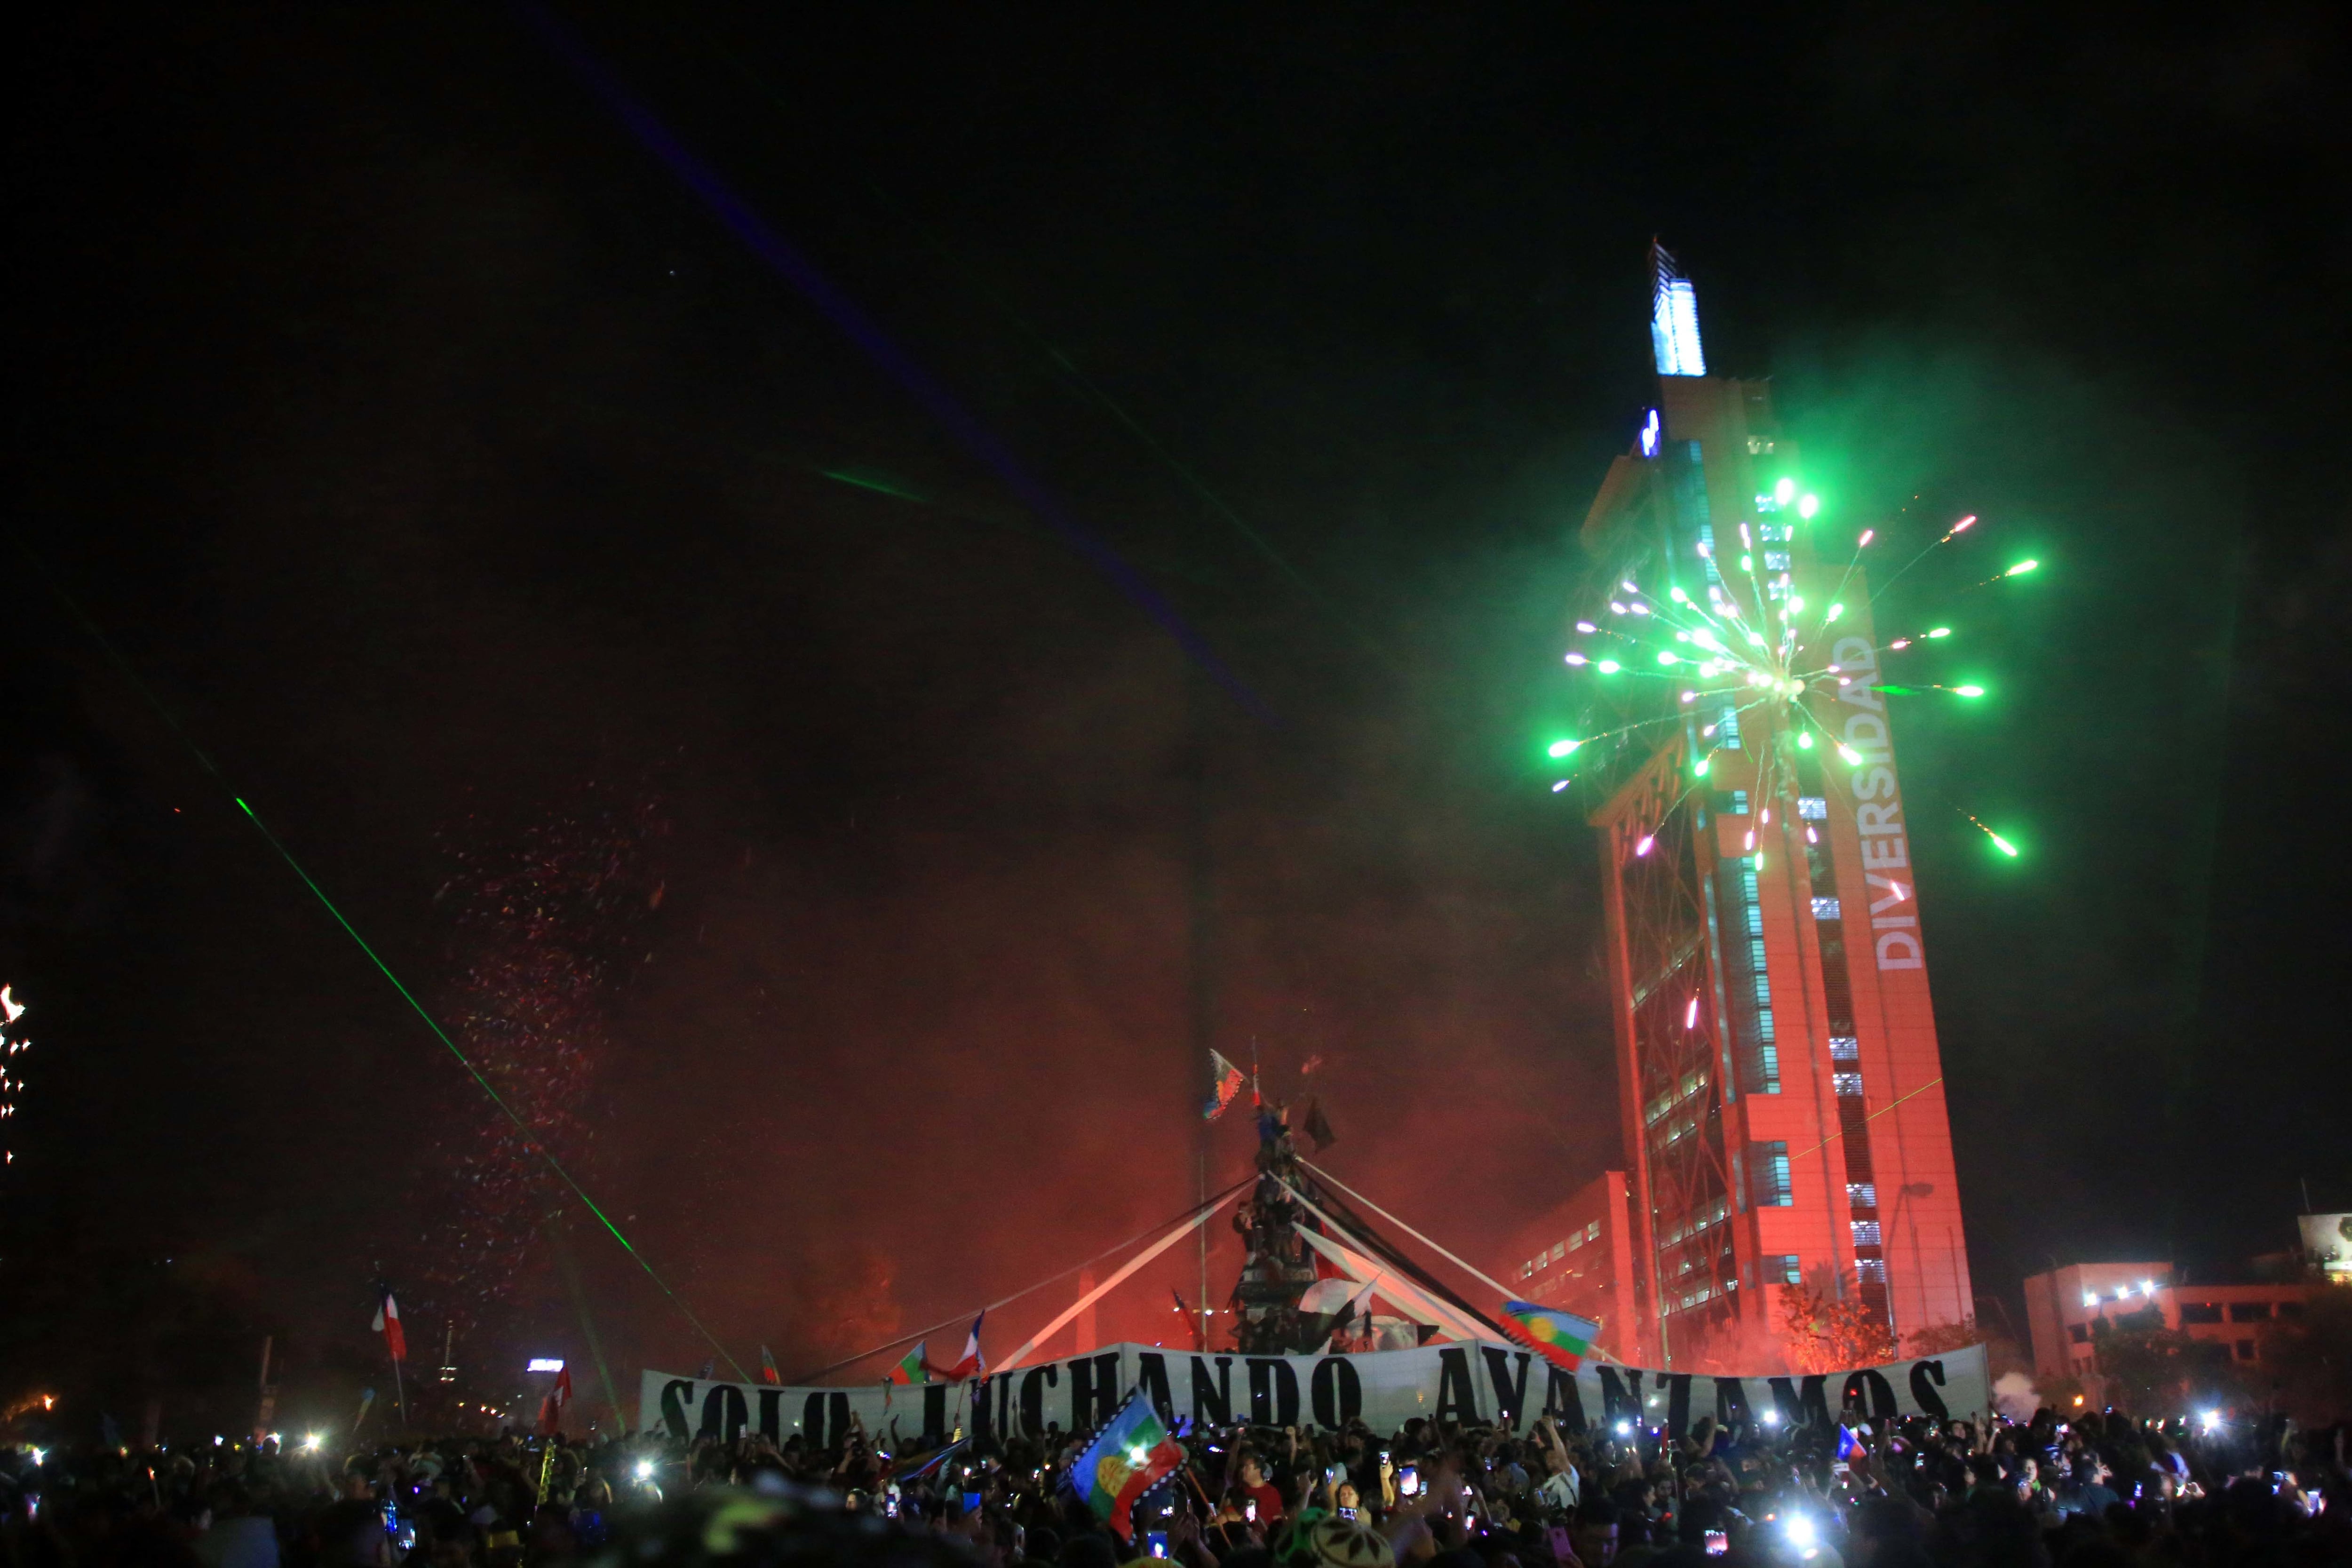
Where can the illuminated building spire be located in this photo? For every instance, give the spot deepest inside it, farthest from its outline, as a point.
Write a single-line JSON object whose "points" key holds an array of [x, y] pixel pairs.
{"points": [[1674, 317]]}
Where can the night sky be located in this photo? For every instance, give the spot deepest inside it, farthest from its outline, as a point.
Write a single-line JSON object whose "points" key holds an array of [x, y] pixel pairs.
{"points": [[447, 470]]}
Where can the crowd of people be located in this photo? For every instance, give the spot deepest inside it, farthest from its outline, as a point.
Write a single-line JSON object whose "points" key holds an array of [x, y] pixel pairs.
{"points": [[2089, 1492]]}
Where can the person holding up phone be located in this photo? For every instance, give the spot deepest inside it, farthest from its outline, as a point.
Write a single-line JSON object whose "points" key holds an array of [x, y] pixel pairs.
{"points": [[1256, 1490]]}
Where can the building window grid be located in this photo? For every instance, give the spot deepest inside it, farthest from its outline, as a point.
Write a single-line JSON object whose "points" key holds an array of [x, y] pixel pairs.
{"points": [[1862, 1191], [1752, 1024], [1768, 1175]]}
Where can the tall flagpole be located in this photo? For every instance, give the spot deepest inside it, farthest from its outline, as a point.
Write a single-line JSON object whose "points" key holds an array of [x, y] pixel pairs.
{"points": [[1203, 888], [1203, 1298]]}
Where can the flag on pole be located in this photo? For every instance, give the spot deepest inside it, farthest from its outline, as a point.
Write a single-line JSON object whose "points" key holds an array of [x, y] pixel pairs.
{"points": [[1318, 1126], [1192, 1320], [912, 1367], [1228, 1086], [973, 1363], [768, 1371], [932, 1465], [387, 1322], [1132, 1454], [1562, 1338], [550, 1409]]}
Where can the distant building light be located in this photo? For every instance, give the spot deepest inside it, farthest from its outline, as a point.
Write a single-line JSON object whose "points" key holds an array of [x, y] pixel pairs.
{"points": [[2090, 1297], [1673, 319], [544, 1363], [1673, 329], [1650, 434]]}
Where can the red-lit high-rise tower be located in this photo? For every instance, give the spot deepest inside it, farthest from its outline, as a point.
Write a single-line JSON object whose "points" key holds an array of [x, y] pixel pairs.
{"points": [[1780, 1084]]}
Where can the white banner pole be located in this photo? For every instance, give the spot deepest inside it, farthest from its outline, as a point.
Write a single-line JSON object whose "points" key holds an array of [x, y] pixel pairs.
{"points": [[1088, 1299], [1497, 1286]]}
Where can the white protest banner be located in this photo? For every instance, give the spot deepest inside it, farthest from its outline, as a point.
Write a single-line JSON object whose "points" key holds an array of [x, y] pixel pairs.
{"points": [[1479, 1382]]}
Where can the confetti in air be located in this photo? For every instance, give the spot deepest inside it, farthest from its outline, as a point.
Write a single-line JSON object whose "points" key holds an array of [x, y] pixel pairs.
{"points": [[546, 924]]}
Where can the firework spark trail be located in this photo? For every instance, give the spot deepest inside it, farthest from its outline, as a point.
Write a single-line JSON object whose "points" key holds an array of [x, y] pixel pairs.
{"points": [[1949, 534], [1751, 638], [13, 1042], [2003, 845]]}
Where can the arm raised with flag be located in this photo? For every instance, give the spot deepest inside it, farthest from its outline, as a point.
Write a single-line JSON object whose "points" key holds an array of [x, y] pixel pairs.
{"points": [[1133, 1453]]}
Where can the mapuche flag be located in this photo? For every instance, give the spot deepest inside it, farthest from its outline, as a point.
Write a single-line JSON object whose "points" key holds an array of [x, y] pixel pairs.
{"points": [[1130, 1455], [387, 1322], [1562, 1338], [1226, 1088]]}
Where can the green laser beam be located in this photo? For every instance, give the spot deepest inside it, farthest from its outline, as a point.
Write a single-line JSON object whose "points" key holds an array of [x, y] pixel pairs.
{"points": [[131, 673], [877, 483], [529, 1142]]}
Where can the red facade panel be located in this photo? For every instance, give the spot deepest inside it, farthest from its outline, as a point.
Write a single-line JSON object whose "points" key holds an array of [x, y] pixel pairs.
{"points": [[1825, 1117]]}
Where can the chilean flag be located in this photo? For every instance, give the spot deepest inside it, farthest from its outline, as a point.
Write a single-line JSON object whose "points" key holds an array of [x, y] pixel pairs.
{"points": [[550, 1409], [971, 1365], [387, 1322]]}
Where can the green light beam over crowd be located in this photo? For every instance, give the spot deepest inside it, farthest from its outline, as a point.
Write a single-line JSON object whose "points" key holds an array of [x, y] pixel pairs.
{"points": [[171, 721]]}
